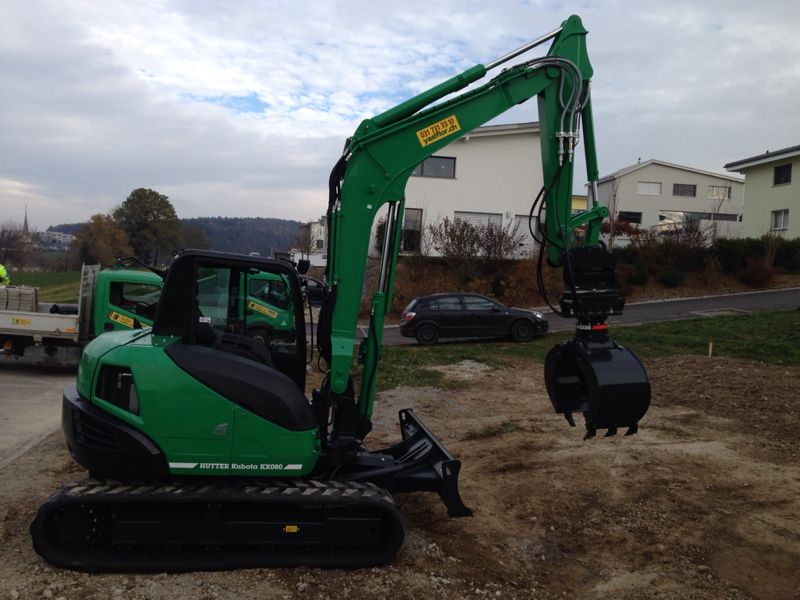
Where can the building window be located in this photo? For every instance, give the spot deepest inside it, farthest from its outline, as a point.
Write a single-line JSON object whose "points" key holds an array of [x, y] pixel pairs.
{"points": [[412, 230], [684, 189], [648, 188], [477, 219], [634, 218], [719, 192], [319, 244], [782, 174], [780, 220], [437, 166]]}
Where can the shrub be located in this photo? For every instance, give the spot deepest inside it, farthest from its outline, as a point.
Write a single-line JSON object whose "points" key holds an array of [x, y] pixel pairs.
{"points": [[626, 254], [625, 274], [756, 274], [640, 274], [788, 255], [732, 254], [671, 277]]}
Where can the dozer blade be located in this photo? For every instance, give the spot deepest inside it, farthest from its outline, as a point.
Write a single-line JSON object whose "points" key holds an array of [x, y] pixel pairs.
{"points": [[603, 380], [419, 463]]}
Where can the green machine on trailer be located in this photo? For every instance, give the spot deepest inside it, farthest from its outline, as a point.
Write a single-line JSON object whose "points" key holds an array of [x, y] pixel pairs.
{"points": [[203, 450]]}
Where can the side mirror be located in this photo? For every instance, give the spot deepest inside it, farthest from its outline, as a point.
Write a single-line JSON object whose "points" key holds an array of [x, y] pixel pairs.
{"points": [[303, 265]]}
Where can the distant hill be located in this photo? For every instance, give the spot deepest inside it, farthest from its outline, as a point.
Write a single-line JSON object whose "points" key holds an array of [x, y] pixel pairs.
{"points": [[247, 234], [233, 234], [69, 228]]}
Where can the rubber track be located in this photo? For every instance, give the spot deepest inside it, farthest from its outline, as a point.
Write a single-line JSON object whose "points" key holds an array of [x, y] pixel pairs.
{"points": [[107, 497]]}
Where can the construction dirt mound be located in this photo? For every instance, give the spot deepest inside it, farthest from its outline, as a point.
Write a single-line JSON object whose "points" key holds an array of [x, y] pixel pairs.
{"points": [[703, 503]]}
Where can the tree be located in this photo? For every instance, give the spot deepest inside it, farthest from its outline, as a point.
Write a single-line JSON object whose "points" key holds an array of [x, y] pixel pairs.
{"points": [[499, 243], [193, 236], [101, 241], [303, 241], [9, 237], [458, 241], [151, 223]]}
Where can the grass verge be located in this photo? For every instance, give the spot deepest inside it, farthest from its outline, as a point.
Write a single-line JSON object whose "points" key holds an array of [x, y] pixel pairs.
{"points": [[56, 286], [772, 337]]}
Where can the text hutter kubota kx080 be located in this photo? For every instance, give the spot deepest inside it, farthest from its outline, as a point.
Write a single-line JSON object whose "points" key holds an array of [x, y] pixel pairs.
{"points": [[203, 450]]}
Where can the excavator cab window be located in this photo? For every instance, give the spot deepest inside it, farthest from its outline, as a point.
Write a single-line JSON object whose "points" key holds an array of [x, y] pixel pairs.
{"points": [[248, 310]]}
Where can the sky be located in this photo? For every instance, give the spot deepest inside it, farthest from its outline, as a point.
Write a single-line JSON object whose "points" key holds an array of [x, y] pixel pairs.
{"points": [[242, 108]]}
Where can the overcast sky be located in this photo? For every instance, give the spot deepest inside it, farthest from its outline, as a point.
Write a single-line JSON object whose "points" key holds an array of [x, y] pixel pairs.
{"points": [[241, 108]]}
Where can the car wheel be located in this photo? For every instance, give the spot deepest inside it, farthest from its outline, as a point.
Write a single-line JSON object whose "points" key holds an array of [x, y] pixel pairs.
{"points": [[427, 334], [522, 331]]}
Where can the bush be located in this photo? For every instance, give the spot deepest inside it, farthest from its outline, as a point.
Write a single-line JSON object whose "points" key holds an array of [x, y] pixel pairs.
{"points": [[625, 274], [671, 277], [788, 255], [627, 254], [640, 274], [756, 274], [732, 254]]}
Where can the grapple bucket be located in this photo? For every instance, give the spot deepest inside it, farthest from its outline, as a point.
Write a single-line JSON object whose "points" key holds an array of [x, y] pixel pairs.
{"points": [[420, 462], [601, 379]]}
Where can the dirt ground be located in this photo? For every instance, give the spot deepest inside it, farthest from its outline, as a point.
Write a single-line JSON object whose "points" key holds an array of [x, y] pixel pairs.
{"points": [[703, 503]]}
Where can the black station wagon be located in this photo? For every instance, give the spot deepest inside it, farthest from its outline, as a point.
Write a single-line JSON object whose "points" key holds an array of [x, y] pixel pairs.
{"points": [[468, 315]]}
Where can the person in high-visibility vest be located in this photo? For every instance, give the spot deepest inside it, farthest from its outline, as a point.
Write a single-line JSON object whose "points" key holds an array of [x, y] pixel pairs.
{"points": [[4, 279]]}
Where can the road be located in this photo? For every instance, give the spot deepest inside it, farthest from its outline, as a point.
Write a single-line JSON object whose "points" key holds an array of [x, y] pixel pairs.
{"points": [[30, 406], [668, 310]]}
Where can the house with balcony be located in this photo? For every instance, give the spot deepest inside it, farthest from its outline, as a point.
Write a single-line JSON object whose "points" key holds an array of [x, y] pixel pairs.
{"points": [[663, 196], [772, 197]]}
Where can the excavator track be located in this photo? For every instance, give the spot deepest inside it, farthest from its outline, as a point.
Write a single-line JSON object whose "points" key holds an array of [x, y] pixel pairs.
{"points": [[170, 525]]}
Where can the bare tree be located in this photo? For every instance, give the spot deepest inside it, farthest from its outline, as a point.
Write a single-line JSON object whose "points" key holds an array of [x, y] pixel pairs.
{"points": [[303, 241], [499, 243], [10, 233], [458, 241]]}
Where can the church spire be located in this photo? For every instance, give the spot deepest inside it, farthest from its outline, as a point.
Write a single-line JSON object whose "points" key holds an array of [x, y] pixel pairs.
{"points": [[25, 231]]}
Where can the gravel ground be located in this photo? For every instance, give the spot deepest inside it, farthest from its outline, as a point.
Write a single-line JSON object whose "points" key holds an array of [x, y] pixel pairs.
{"points": [[703, 503]]}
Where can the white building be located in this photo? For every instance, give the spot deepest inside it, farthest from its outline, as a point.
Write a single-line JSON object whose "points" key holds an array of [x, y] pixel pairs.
{"points": [[659, 195], [55, 240], [490, 175], [313, 239]]}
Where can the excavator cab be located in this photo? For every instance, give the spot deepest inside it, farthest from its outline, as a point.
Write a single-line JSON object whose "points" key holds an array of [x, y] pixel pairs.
{"points": [[242, 305]]}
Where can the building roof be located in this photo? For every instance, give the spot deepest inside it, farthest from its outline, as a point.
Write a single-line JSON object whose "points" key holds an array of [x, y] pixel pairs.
{"points": [[487, 130], [767, 157], [652, 161]]}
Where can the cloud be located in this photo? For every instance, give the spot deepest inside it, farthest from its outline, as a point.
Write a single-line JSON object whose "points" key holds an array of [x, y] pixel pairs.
{"points": [[243, 111]]}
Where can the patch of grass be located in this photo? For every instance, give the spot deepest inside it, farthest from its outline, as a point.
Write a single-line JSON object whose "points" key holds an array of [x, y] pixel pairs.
{"points": [[494, 430], [56, 286], [772, 337], [408, 374]]}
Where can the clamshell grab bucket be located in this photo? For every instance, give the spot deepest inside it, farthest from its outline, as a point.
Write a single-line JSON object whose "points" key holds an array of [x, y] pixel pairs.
{"points": [[601, 379]]}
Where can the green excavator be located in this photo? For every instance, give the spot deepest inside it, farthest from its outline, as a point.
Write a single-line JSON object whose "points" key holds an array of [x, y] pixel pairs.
{"points": [[202, 448]]}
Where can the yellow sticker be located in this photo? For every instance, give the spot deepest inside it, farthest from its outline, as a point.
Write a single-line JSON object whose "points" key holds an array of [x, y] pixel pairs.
{"points": [[21, 322], [433, 133], [262, 309], [121, 319]]}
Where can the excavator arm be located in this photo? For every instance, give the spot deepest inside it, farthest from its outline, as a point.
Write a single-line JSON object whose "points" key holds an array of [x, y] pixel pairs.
{"points": [[379, 159]]}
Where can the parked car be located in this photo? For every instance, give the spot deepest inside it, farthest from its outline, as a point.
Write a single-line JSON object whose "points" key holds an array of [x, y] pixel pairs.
{"points": [[468, 315]]}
